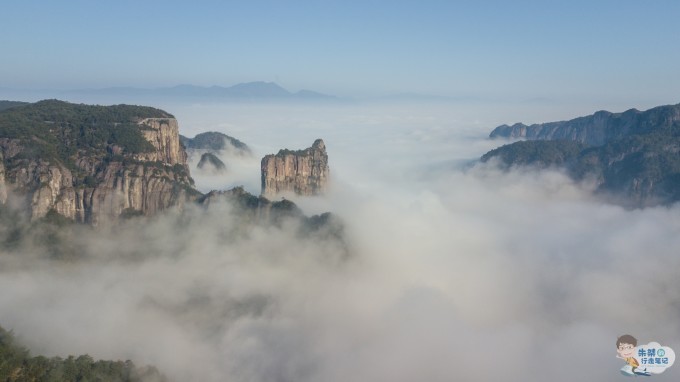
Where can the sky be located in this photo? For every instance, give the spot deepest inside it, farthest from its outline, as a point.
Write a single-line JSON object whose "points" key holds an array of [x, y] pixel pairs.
{"points": [[623, 51]]}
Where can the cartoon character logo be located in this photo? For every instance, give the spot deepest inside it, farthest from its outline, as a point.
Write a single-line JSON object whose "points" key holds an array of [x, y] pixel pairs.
{"points": [[644, 360]]}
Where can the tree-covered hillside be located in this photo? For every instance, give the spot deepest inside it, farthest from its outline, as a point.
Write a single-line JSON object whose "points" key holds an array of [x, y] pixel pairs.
{"points": [[17, 365], [536, 153], [598, 128], [57, 130], [9, 104], [214, 141], [210, 160], [642, 166]]}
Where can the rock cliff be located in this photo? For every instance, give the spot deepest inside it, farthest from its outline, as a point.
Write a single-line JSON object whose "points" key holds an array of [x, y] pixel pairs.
{"points": [[163, 134], [304, 172], [92, 163], [3, 187], [633, 156], [596, 129]]}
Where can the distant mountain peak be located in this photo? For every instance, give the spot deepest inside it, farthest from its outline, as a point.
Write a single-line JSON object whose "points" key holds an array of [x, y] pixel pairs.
{"points": [[246, 90], [632, 155], [259, 89]]}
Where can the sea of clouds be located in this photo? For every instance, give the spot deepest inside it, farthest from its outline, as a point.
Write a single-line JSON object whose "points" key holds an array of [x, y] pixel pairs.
{"points": [[452, 270]]}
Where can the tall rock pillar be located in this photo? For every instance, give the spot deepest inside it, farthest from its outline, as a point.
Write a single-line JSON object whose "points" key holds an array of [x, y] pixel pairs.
{"points": [[304, 172]]}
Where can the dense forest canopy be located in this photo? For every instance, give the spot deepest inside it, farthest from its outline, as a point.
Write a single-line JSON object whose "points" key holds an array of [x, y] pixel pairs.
{"points": [[57, 130], [9, 104], [17, 364], [212, 140], [642, 164]]}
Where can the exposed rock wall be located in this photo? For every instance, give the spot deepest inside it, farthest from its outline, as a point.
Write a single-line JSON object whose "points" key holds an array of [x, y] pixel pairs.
{"points": [[163, 133], [304, 172], [3, 187], [53, 188], [105, 187], [633, 157], [124, 187], [595, 129]]}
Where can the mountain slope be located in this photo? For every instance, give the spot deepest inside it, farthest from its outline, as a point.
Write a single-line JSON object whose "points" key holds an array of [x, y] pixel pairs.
{"points": [[62, 162], [210, 161], [214, 141], [596, 129], [637, 161], [10, 104], [16, 364], [90, 163]]}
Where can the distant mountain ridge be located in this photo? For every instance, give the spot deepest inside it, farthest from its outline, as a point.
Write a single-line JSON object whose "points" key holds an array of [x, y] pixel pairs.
{"points": [[634, 155], [246, 90], [596, 129]]}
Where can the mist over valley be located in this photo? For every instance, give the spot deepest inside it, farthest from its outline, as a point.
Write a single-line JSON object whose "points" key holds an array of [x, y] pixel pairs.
{"points": [[445, 265]]}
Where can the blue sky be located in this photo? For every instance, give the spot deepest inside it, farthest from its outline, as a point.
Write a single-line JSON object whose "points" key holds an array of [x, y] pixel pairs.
{"points": [[488, 49]]}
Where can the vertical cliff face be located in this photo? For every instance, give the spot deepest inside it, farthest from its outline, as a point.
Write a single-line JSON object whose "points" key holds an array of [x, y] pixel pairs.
{"points": [[163, 134], [107, 188], [3, 187], [596, 129], [104, 180], [634, 156], [137, 188], [304, 172]]}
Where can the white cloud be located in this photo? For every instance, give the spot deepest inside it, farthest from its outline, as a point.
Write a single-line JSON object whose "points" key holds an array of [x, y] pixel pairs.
{"points": [[456, 272]]}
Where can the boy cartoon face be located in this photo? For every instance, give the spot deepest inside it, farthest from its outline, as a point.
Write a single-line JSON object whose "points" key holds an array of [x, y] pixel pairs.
{"points": [[626, 350], [625, 346]]}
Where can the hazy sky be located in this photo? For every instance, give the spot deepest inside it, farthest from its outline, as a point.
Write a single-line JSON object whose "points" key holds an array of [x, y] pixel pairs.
{"points": [[556, 50]]}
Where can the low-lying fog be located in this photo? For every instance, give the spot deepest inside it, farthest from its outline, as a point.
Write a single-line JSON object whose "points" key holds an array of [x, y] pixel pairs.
{"points": [[457, 272]]}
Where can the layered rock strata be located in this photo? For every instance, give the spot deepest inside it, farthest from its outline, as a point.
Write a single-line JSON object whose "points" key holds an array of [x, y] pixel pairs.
{"points": [[304, 172], [100, 183], [163, 134]]}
